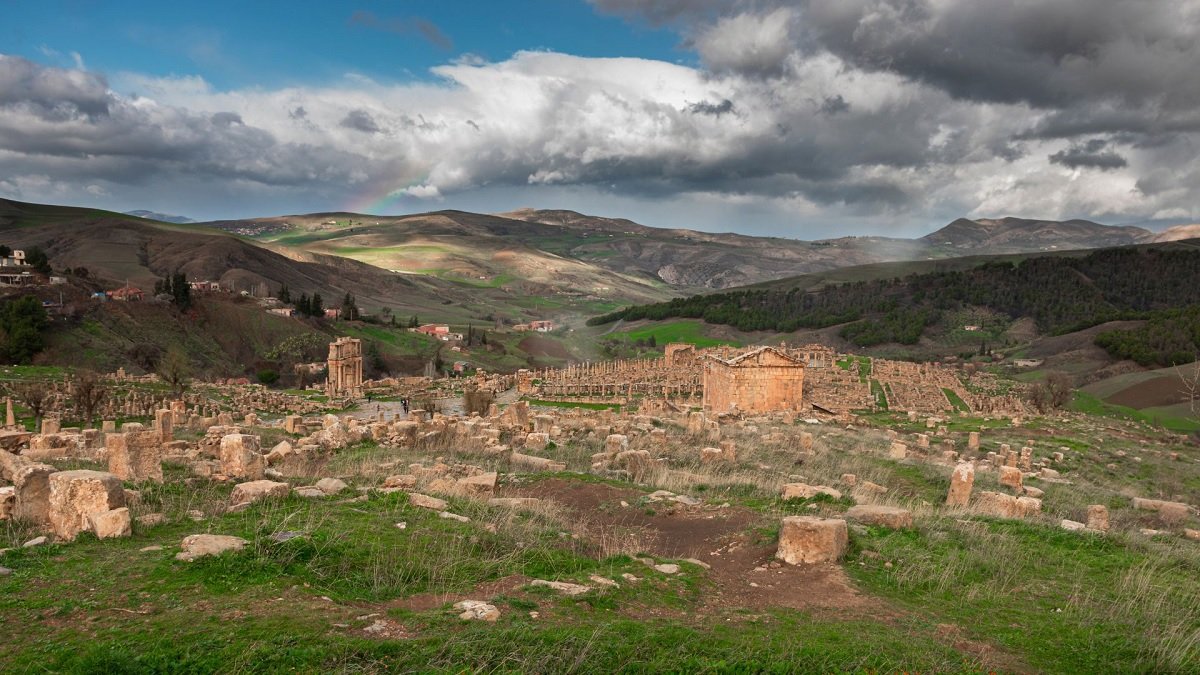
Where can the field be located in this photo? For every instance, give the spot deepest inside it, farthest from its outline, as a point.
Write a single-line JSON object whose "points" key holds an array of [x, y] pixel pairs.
{"points": [[364, 580]]}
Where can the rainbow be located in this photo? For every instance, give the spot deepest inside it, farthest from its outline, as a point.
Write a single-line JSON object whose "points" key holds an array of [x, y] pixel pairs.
{"points": [[379, 197]]}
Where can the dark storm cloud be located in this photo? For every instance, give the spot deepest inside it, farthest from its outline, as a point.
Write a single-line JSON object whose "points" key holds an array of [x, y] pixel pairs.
{"points": [[1094, 154], [360, 120], [834, 105], [403, 26], [716, 109]]}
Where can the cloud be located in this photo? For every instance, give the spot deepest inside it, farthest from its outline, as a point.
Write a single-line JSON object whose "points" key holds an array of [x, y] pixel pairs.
{"points": [[1093, 154], [360, 120], [407, 26], [867, 111]]}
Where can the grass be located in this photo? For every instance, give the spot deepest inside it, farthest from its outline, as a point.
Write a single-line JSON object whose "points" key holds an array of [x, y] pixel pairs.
{"points": [[575, 404], [690, 332], [956, 401], [1091, 405]]}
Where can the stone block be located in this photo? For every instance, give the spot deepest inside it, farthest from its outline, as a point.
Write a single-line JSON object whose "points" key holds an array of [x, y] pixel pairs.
{"points": [[135, 456], [111, 524], [1010, 476], [884, 516], [257, 490], [77, 495], [241, 457], [806, 491], [808, 539], [200, 545], [1097, 517], [961, 481]]}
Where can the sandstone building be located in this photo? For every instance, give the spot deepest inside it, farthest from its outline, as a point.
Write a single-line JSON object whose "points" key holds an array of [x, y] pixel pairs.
{"points": [[345, 368], [762, 380]]}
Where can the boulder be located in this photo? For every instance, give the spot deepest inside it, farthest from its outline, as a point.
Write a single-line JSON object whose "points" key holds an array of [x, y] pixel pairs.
{"points": [[77, 495], [331, 486], [199, 545], [257, 490], [241, 457], [885, 516], [808, 539], [481, 485], [806, 491], [110, 524], [1010, 476], [476, 610], [426, 502]]}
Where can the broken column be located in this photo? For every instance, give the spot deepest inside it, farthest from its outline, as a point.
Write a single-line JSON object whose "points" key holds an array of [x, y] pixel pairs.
{"points": [[135, 455], [961, 481], [241, 457]]}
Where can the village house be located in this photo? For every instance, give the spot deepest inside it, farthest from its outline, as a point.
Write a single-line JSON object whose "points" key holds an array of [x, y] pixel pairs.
{"points": [[333, 313], [16, 259], [541, 326], [287, 312], [205, 286], [127, 293], [433, 330]]}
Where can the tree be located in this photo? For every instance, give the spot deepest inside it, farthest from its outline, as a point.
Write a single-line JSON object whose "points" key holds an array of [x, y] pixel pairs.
{"points": [[178, 288], [37, 259], [349, 308], [316, 305], [176, 370], [413, 323], [89, 391], [303, 305], [22, 322], [35, 395], [5, 251], [1052, 393], [285, 295]]}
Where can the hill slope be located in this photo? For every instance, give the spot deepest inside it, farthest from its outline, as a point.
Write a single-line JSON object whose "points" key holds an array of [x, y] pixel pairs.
{"points": [[1016, 235]]}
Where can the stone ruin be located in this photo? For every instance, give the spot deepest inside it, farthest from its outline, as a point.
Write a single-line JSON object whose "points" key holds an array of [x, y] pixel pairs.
{"points": [[345, 377]]}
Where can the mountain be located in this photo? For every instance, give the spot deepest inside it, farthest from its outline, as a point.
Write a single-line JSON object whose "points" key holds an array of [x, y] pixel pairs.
{"points": [[986, 236], [1178, 233], [161, 217]]}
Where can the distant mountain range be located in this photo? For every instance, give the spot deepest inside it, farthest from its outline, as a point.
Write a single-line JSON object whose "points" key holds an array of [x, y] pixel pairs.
{"points": [[161, 217], [522, 264]]}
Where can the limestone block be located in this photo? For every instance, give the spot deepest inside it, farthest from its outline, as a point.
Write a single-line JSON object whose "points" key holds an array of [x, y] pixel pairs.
{"points": [[973, 440], [898, 450], [1006, 506], [961, 481], [806, 441], [257, 490], [77, 495], [806, 491], [426, 502], [535, 463], [481, 485], [536, 441], [331, 486], [110, 524], [808, 539], [884, 516], [402, 481], [636, 462], [616, 443], [1097, 517], [1171, 513], [135, 456], [200, 545], [241, 457], [1010, 476]]}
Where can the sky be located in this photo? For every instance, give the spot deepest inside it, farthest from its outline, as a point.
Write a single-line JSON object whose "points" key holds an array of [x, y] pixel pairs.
{"points": [[794, 118]]}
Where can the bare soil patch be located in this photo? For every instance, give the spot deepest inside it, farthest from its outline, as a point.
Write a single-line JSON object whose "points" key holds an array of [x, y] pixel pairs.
{"points": [[545, 347]]}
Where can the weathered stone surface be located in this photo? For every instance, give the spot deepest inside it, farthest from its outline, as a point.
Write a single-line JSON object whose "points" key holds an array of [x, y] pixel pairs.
{"points": [[806, 491], [8, 500], [200, 545], [1010, 476], [76, 495], [331, 486], [616, 443], [426, 502], [481, 485], [884, 516], [898, 450], [535, 463], [241, 457], [961, 480], [135, 456], [1073, 526], [808, 539], [1097, 517], [476, 610], [563, 587], [257, 490], [537, 441], [1006, 506], [109, 524], [402, 481], [1171, 513]]}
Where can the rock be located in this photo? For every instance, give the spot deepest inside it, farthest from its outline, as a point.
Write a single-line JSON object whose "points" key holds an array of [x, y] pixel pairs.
{"points": [[279, 453], [1006, 506], [1033, 492], [1171, 513], [667, 568], [884, 516], [898, 450], [1072, 525], [616, 443], [150, 549], [111, 524], [476, 610], [241, 457], [481, 485], [151, 519], [808, 539], [636, 462], [535, 463], [562, 587], [4, 572], [454, 516], [805, 491], [1010, 476], [961, 480], [603, 581], [332, 486], [426, 502], [1097, 518], [36, 541], [309, 492], [1194, 535], [199, 545], [849, 479], [257, 490], [76, 495], [403, 481]]}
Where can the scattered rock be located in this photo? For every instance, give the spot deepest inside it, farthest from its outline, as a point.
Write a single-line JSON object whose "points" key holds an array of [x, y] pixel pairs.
{"points": [[331, 486], [563, 587], [885, 516], [454, 516], [199, 545], [257, 490], [807, 539], [426, 502], [477, 610]]}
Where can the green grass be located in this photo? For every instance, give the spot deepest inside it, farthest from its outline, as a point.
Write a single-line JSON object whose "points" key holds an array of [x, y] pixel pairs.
{"points": [[1089, 404], [575, 404], [690, 332], [956, 401], [881, 399]]}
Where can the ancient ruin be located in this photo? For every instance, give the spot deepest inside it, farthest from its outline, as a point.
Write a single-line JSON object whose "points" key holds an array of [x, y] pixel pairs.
{"points": [[345, 378]]}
